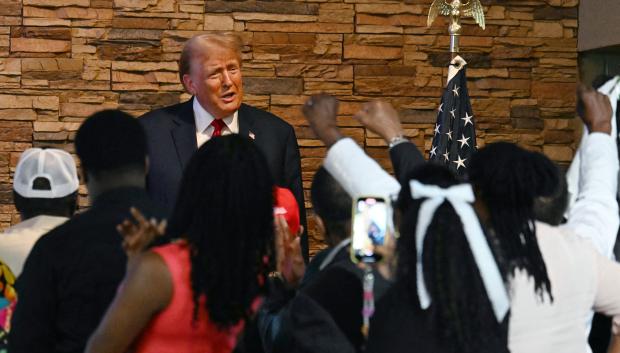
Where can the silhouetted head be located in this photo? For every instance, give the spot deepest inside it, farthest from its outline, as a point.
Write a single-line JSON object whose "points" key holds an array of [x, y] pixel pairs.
{"points": [[111, 145], [332, 205]]}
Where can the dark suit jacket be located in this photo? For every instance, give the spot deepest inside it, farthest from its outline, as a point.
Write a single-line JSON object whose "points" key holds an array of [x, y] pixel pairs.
{"points": [[405, 157], [171, 135]]}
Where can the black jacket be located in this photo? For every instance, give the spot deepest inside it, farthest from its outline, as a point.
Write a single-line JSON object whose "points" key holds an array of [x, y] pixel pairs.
{"points": [[405, 157], [335, 320], [171, 136], [72, 275]]}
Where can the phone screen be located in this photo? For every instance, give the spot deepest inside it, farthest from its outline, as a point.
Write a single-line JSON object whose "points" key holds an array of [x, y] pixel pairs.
{"points": [[370, 223]]}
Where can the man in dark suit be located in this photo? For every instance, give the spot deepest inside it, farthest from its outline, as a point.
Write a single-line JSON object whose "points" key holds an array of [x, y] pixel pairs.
{"points": [[210, 70]]}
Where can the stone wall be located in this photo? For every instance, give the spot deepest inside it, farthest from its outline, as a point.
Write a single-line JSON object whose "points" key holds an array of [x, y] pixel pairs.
{"points": [[61, 60]]}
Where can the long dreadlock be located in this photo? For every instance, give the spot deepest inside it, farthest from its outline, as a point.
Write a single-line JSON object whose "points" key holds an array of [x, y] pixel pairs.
{"points": [[225, 211], [508, 179]]}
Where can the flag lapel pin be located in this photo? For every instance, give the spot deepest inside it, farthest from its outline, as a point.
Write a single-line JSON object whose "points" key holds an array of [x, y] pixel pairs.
{"points": [[251, 135]]}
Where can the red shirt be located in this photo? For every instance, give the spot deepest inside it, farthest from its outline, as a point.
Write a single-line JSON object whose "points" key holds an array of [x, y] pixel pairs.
{"points": [[173, 330]]}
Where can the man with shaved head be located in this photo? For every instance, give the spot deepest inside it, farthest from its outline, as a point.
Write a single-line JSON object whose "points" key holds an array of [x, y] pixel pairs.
{"points": [[210, 69]]}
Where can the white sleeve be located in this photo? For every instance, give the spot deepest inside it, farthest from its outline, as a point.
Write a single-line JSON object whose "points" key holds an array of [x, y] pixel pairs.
{"points": [[594, 216], [358, 173]]}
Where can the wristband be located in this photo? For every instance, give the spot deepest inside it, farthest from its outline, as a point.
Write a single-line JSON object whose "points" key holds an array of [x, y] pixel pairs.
{"points": [[396, 140]]}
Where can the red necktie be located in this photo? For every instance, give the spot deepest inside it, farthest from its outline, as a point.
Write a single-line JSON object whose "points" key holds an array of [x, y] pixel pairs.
{"points": [[218, 125]]}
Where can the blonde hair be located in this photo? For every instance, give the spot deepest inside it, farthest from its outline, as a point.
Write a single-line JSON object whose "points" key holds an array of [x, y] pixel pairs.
{"points": [[195, 44]]}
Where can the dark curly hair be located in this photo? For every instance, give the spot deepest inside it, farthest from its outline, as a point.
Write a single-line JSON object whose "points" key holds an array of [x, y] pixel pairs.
{"points": [[464, 315], [508, 179], [225, 211]]}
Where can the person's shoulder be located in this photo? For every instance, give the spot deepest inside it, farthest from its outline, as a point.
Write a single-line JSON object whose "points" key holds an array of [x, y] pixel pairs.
{"points": [[557, 237], [174, 249], [63, 231], [162, 115], [333, 277], [558, 243], [53, 241], [261, 116]]}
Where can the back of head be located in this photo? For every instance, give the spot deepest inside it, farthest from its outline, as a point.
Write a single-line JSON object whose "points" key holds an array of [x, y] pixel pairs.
{"points": [[196, 46], [110, 144], [451, 275], [508, 180], [225, 211], [552, 209], [45, 183], [333, 205]]}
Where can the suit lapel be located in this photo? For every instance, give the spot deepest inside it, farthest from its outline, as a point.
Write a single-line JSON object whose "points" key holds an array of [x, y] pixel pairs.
{"points": [[246, 122], [184, 133]]}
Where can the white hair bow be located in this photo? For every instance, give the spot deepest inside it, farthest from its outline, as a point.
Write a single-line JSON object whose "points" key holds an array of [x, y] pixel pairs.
{"points": [[460, 196]]}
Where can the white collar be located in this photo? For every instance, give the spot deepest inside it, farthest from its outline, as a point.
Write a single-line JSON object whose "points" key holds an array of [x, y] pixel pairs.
{"points": [[203, 118]]}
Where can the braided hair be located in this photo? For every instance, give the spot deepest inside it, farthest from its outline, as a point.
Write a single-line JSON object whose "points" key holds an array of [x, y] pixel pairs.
{"points": [[508, 180], [461, 308], [225, 211]]}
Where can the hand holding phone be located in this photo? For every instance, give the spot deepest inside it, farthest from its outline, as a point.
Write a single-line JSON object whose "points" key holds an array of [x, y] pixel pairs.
{"points": [[371, 224]]}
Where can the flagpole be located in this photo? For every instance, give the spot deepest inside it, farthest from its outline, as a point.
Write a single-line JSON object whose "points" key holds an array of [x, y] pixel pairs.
{"points": [[454, 137]]}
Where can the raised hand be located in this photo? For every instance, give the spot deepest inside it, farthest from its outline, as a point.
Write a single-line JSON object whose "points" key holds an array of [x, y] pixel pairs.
{"points": [[290, 261], [381, 118], [595, 109], [140, 232], [321, 111]]}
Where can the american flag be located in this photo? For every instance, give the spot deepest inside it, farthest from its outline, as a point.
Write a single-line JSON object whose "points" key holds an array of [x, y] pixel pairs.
{"points": [[454, 140]]}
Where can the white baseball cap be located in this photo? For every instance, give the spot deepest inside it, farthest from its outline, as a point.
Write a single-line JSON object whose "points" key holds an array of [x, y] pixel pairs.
{"points": [[57, 166]]}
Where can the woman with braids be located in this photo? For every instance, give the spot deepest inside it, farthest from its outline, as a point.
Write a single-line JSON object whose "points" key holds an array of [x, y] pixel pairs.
{"points": [[557, 276], [460, 303], [553, 275], [198, 293]]}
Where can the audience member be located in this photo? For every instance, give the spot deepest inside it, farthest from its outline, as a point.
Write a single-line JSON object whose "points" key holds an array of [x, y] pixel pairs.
{"points": [[210, 69], [208, 284], [455, 266], [72, 272], [580, 279], [45, 188]]}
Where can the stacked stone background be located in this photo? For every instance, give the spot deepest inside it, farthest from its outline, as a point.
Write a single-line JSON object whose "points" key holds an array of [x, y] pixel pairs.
{"points": [[61, 60]]}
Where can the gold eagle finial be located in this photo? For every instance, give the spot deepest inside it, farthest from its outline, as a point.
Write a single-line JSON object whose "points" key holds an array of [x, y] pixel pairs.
{"points": [[456, 10]]}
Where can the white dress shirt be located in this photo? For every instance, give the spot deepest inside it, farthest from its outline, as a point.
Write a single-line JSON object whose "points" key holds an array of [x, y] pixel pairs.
{"points": [[581, 278], [603, 241], [203, 119], [17, 241], [594, 216]]}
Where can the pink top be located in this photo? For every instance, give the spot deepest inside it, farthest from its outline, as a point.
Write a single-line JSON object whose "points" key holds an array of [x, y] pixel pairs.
{"points": [[173, 330]]}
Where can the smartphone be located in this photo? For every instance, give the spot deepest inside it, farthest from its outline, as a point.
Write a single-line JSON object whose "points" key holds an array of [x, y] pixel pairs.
{"points": [[370, 223]]}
